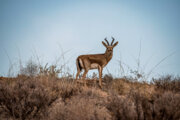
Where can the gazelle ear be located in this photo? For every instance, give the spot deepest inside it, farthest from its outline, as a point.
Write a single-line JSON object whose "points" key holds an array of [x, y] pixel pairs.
{"points": [[115, 44], [104, 44]]}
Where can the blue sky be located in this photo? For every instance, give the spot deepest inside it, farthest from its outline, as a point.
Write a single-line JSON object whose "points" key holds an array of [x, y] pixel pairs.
{"points": [[43, 27]]}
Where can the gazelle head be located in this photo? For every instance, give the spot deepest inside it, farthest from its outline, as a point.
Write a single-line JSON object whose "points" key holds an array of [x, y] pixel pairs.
{"points": [[109, 47]]}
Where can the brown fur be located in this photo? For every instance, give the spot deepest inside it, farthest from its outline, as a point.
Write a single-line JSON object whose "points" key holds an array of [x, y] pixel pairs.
{"points": [[95, 61]]}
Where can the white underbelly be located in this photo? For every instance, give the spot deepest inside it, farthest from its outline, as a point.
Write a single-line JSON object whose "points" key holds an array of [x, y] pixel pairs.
{"points": [[94, 66]]}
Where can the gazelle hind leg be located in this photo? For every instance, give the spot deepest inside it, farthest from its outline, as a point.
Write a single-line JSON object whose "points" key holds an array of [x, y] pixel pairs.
{"points": [[84, 76]]}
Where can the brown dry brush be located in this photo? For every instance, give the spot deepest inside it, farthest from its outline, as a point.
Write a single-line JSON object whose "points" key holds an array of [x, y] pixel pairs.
{"points": [[47, 98], [164, 106], [167, 82], [133, 102], [25, 99], [87, 105], [121, 108]]}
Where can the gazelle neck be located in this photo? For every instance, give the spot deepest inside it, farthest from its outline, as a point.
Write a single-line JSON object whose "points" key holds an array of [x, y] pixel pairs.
{"points": [[108, 55]]}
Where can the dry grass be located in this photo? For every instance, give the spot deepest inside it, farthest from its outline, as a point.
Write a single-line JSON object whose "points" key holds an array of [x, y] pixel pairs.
{"points": [[51, 98], [168, 82], [124, 86]]}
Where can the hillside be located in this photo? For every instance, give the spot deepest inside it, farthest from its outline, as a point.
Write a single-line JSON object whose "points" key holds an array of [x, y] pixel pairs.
{"points": [[52, 98]]}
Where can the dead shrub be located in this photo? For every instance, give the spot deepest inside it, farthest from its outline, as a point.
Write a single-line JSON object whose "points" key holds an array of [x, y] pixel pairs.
{"points": [[31, 69], [67, 90], [167, 106], [167, 83], [124, 86], [108, 78], [80, 108], [159, 107], [143, 105], [120, 86], [44, 97], [121, 108], [25, 99], [136, 105]]}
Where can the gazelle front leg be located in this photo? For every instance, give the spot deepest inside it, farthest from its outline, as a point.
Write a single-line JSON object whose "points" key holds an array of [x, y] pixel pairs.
{"points": [[100, 76], [84, 76], [77, 75]]}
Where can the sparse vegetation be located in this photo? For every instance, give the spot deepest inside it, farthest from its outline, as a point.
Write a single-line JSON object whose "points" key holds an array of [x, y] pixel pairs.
{"points": [[47, 98], [38, 93], [167, 83]]}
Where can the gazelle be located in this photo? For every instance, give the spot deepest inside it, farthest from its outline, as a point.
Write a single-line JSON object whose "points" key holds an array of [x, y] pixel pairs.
{"points": [[95, 61]]}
